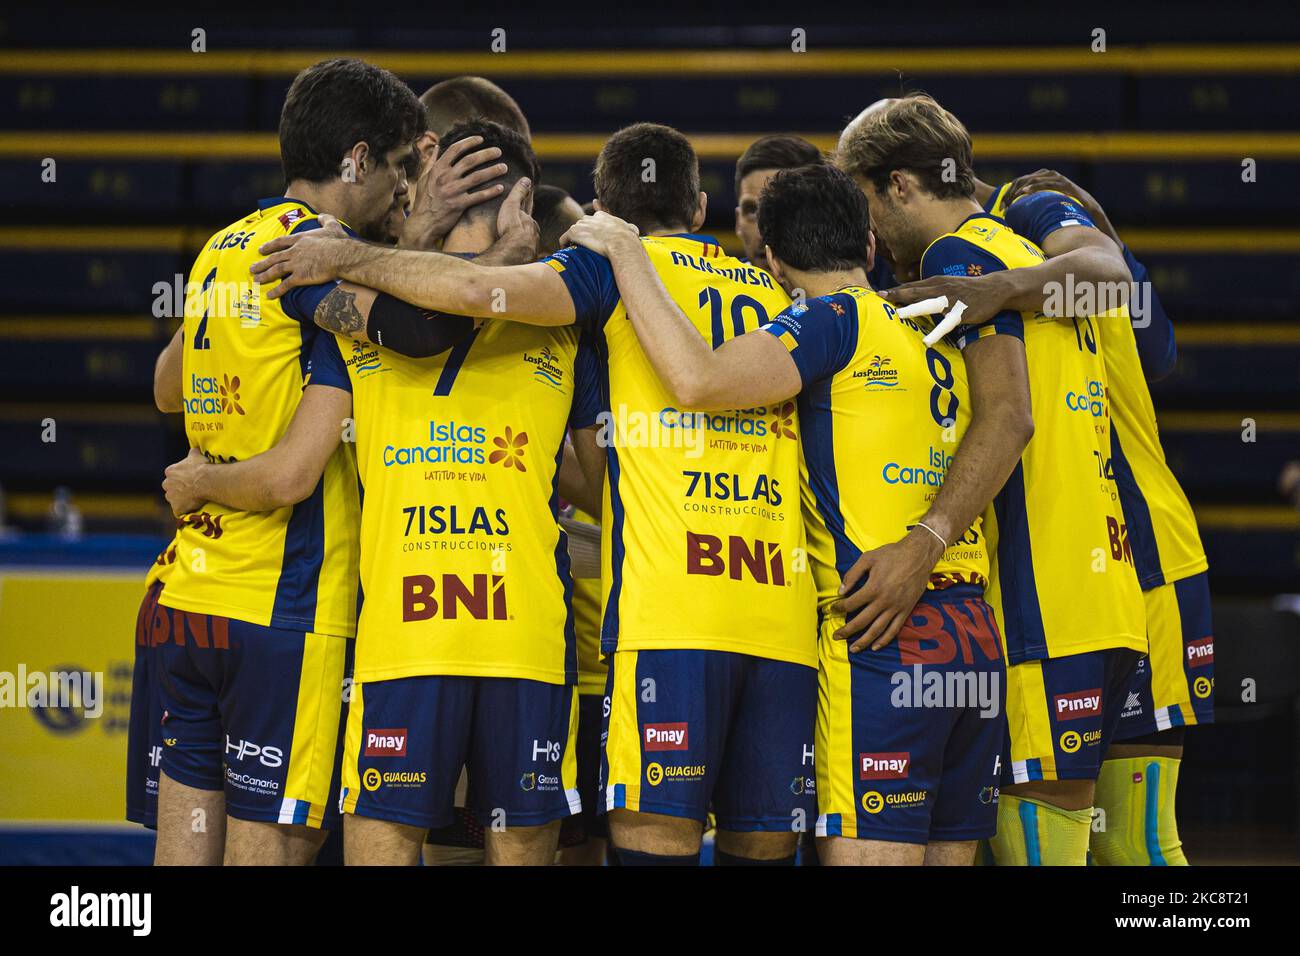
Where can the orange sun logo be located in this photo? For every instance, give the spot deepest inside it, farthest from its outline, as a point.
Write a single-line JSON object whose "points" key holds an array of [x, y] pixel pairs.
{"points": [[230, 395], [510, 450], [783, 424]]}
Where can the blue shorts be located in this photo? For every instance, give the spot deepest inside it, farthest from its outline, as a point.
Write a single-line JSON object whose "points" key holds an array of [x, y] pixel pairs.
{"points": [[1062, 713], [692, 730], [1174, 684], [408, 739], [144, 728], [909, 736], [254, 711]]}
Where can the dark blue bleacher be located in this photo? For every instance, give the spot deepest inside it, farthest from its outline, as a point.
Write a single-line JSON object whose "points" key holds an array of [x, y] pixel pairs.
{"points": [[715, 103], [1198, 192], [1220, 374], [110, 368], [113, 102], [86, 190], [1212, 101], [1216, 465], [1233, 285], [90, 452]]}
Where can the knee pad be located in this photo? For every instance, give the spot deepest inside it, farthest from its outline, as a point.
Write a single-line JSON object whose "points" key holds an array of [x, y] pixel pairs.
{"points": [[1034, 833], [1138, 829]]}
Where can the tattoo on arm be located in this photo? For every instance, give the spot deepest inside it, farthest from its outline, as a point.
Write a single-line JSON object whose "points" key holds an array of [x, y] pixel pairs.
{"points": [[338, 312]]}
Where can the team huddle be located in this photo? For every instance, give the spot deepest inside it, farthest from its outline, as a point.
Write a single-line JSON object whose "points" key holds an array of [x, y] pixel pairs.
{"points": [[891, 566]]}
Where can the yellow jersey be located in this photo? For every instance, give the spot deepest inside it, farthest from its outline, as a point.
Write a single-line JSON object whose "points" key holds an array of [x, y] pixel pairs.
{"points": [[881, 415], [1162, 528], [586, 627], [464, 568], [245, 359], [1062, 580], [702, 525]]}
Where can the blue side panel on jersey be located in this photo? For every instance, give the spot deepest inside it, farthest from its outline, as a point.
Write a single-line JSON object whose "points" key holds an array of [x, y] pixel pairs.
{"points": [[609, 626], [818, 438], [817, 424], [565, 572], [304, 553], [1021, 614], [1137, 516], [307, 332], [361, 504]]}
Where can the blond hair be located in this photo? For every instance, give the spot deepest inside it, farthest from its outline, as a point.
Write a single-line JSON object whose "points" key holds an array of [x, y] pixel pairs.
{"points": [[916, 134]]}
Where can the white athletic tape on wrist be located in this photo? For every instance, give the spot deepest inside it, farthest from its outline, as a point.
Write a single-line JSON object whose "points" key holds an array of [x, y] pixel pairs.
{"points": [[949, 322], [924, 307]]}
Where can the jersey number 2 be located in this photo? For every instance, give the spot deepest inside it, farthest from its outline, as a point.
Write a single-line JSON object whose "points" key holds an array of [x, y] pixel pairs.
{"points": [[201, 340]]}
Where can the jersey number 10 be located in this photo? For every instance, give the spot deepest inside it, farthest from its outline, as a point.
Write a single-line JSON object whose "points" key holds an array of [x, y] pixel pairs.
{"points": [[713, 299]]}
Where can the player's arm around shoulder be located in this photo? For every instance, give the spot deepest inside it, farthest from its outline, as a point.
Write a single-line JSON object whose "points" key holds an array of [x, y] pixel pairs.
{"points": [[751, 369], [1078, 255], [1152, 329], [430, 280], [286, 473], [1076, 251], [365, 315], [954, 269]]}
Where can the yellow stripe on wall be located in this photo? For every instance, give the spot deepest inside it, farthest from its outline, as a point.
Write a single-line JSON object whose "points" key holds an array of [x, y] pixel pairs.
{"points": [[1173, 58], [1246, 334], [1228, 421], [187, 240], [1246, 518], [32, 506], [579, 147], [102, 238], [81, 328]]}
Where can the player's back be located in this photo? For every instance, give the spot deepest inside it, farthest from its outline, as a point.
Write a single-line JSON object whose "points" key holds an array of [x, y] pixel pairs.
{"points": [[244, 361], [1162, 531], [881, 415], [464, 568], [703, 532], [1062, 580]]}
